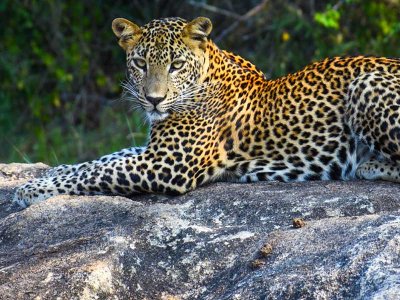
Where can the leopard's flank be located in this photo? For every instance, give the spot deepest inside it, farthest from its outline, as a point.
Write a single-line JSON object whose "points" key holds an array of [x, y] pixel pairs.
{"points": [[215, 116]]}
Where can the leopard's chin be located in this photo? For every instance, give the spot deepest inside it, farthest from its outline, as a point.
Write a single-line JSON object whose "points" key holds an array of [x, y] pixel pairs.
{"points": [[156, 116]]}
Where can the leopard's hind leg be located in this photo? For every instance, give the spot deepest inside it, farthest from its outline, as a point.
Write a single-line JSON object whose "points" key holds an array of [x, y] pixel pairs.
{"points": [[383, 170], [373, 113]]}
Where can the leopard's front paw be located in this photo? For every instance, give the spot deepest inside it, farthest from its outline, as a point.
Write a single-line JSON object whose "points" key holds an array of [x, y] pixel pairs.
{"points": [[20, 198], [30, 193], [23, 196]]}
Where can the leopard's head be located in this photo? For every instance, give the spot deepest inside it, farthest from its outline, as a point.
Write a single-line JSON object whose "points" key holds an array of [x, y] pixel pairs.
{"points": [[167, 62]]}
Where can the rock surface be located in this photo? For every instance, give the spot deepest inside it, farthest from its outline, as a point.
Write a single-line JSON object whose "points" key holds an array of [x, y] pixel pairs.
{"points": [[222, 241]]}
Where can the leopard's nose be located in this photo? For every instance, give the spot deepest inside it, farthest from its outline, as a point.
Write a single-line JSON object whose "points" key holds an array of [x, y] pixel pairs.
{"points": [[155, 100]]}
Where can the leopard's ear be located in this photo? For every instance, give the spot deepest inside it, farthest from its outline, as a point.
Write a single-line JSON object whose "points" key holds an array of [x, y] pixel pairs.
{"points": [[196, 32], [127, 32]]}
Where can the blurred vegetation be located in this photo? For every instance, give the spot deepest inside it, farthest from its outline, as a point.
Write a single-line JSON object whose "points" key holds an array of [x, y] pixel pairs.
{"points": [[61, 68]]}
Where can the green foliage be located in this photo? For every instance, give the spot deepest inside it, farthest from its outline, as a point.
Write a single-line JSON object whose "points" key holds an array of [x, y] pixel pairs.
{"points": [[61, 68], [329, 18]]}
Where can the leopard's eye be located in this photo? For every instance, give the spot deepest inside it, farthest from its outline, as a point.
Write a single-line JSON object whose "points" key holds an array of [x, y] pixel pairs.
{"points": [[176, 65], [140, 63]]}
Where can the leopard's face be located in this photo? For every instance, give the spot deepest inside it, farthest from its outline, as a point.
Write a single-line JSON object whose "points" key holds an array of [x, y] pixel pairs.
{"points": [[166, 61]]}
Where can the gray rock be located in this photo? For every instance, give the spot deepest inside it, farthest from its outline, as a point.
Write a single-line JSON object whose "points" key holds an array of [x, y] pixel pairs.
{"points": [[205, 244]]}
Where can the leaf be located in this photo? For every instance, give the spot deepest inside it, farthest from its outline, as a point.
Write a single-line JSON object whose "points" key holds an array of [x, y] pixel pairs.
{"points": [[329, 18]]}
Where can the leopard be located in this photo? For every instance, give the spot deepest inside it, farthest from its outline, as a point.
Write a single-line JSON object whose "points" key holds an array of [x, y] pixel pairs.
{"points": [[214, 116]]}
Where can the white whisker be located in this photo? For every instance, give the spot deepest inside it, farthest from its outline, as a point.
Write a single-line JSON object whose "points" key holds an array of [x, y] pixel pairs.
{"points": [[189, 99]]}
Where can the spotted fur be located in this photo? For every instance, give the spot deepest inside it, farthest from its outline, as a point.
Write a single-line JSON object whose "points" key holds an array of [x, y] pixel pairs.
{"points": [[216, 117]]}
